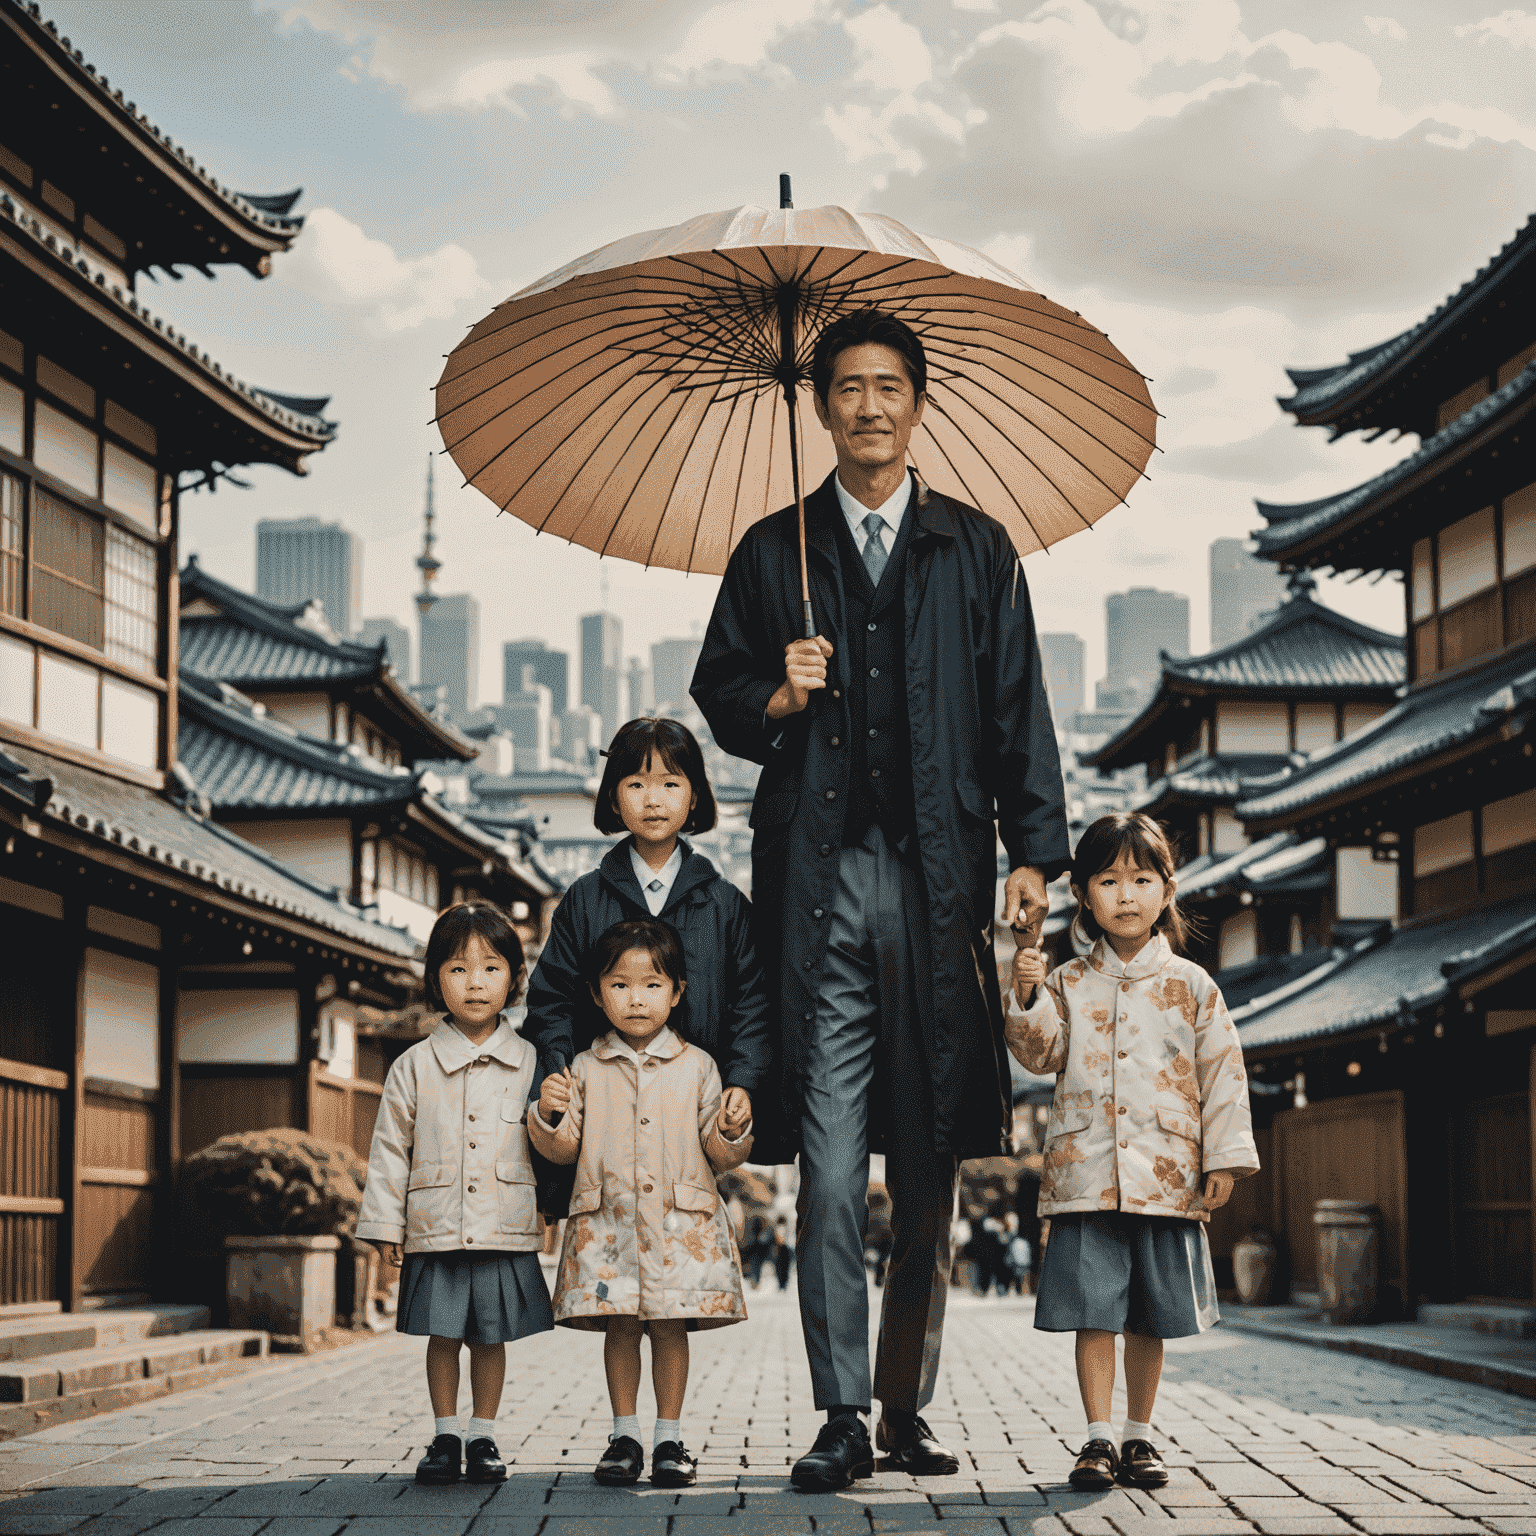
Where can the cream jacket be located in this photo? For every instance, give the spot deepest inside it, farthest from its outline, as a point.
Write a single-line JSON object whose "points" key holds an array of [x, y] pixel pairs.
{"points": [[648, 1235], [1150, 1091], [449, 1168]]}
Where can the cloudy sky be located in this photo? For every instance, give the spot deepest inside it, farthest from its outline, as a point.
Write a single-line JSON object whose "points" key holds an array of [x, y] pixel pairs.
{"points": [[1224, 186]]}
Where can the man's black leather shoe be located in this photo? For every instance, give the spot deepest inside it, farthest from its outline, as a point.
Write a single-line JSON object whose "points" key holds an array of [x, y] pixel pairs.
{"points": [[841, 1454], [672, 1466], [621, 1463], [908, 1445], [483, 1463], [441, 1463]]}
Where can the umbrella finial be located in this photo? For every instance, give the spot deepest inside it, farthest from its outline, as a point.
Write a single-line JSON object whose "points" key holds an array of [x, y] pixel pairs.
{"points": [[786, 199]]}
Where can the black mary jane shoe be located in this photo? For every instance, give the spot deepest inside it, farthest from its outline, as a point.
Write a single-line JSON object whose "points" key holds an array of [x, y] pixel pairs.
{"points": [[842, 1454], [1097, 1464], [483, 1463], [672, 1466], [1141, 1466], [621, 1464], [441, 1463], [908, 1446]]}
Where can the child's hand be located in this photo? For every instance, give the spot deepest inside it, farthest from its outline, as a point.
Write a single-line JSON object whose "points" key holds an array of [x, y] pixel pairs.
{"points": [[1218, 1189], [735, 1113], [555, 1095], [1028, 973], [390, 1252]]}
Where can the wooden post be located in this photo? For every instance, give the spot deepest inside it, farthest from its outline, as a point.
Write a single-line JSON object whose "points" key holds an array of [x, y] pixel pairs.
{"points": [[167, 1123], [72, 1132], [1533, 1163]]}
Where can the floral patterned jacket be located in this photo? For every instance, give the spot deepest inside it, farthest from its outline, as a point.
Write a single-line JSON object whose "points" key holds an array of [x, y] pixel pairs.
{"points": [[1151, 1094], [647, 1235]]}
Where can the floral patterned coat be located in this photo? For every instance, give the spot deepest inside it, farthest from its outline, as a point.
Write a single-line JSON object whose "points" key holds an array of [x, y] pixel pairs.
{"points": [[1151, 1094], [647, 1235]]}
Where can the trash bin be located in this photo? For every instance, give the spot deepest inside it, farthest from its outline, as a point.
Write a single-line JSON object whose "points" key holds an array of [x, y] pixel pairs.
{"points": [[1348, 1259]]}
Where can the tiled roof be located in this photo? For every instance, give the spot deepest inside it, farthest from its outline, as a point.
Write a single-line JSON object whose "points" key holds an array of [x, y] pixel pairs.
{"points": [[138, 821], [1222, 871], [1304, 647], [1242, 985], [1292, 525], [1295, 867], [253, 641], [245, 760], [254, 644], [1429, 720], [309, 430], [269, 212], [1385, 983], [1208, 779], [1318, 390]]}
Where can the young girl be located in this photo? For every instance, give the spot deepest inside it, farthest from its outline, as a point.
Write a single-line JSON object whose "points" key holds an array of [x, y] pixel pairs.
{"points": [[449, 1177], [1151, 1098], [655, 788], [648, 1245]]}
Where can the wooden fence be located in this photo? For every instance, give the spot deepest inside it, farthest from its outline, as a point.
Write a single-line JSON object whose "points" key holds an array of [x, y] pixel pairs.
{"points": [[343, 1108]]}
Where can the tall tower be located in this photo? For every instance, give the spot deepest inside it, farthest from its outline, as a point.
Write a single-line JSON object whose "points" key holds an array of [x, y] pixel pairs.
{"points": [[426, 562]]}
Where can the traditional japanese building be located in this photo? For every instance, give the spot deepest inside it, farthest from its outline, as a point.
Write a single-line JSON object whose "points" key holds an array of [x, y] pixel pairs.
{"points": [[1291, 688], [143, 935], [1406, 1060]]}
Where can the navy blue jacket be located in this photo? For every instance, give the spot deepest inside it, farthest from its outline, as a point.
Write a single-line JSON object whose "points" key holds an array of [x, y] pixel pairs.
{"points": [[725, 1008]]}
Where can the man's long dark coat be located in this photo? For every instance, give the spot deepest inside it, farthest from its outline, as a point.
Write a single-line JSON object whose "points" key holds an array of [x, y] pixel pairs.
{"points": [[981, 741]]}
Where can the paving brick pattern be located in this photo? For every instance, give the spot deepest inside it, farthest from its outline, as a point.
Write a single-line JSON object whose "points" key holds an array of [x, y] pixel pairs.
{"points": [[1263, 1437]]}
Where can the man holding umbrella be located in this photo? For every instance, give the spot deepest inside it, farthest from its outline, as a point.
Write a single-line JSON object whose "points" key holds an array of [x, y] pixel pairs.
{"points": [[890, 744]]}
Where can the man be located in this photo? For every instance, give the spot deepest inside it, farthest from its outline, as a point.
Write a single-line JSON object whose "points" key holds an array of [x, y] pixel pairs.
{"points": [[885, 744]]}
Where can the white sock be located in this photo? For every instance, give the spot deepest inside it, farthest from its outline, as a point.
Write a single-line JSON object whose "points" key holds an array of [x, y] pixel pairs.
{"points": [[667, 1429], [628, 1424], [1135, 1431], [448, 1426], [481, 1429], [1101, 1430]]}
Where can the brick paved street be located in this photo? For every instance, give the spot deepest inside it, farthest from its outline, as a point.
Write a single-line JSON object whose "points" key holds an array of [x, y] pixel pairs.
{"points": [[1266, 1437]]}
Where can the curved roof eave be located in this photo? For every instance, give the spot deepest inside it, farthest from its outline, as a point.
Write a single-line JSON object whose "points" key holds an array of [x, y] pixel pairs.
{"points": [[1291, 528], [1324, 394], [292, 436], [264, 224]]}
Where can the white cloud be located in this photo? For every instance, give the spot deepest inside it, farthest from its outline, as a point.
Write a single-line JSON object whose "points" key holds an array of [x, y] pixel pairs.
{"points": [[334, 261], [492, 83], [738, 34], [891, 52], [1385, 26], [1517, 28]]}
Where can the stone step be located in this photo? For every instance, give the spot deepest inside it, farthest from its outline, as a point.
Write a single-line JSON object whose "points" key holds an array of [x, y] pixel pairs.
{"points": [[1517, 1321], [104, 1379], [27, 1338]]}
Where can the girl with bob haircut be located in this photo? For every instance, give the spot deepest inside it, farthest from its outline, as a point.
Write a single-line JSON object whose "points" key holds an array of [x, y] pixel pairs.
{"points": [[1148, 1129], [654, 789], [648, 1247], [462, 1207]]}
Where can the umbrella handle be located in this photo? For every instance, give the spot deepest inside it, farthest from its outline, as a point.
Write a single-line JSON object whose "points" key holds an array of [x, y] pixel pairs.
{"points": [[792, 402]]}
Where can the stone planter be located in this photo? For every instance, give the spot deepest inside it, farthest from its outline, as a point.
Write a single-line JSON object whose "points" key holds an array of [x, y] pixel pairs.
{"points": [[1348, 1259], [286, 1285], [1253, 1269]]}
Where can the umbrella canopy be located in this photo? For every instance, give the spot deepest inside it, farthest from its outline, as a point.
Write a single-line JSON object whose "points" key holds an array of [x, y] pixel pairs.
{"points": [[633, 401]]}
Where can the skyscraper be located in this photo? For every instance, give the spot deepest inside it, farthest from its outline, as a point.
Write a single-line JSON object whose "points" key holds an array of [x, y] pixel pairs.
{"points": [[450, 650], [1138, 625], [602, 654], [1061, 658], [1245, 590], [637, 687], [551, 669], [397, 642], [526, 717], [302, 560], [672, 664]]}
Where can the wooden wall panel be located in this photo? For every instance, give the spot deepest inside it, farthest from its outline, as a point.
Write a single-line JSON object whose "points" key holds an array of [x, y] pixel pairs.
{"points": [[118, 1133], [29, 1139], [1342, 1149], [219, 1106], [365, 1114], [29, 1249], [115, 1224]]}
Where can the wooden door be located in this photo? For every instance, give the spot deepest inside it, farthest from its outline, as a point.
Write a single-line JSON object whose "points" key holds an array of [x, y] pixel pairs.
{"points": [[343, 1108], [1342, 1149], [36, 1044], [1491, 1157]]}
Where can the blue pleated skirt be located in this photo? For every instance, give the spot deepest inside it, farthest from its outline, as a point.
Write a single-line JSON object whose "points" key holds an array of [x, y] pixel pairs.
{"points": [[481, 1298]]}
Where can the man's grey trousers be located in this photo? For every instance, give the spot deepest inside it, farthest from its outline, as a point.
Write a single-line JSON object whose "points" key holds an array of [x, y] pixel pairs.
{"points": [[867, 1032]]}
